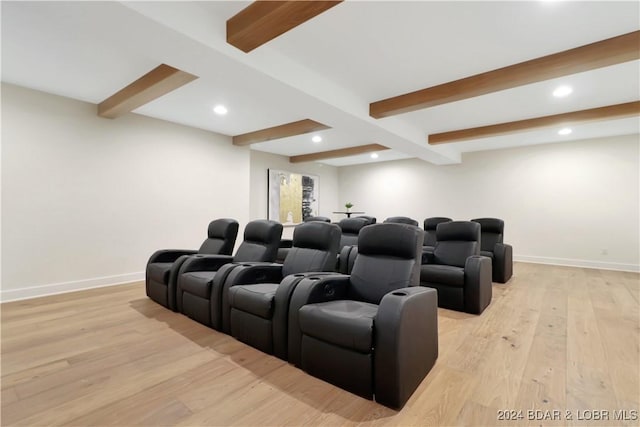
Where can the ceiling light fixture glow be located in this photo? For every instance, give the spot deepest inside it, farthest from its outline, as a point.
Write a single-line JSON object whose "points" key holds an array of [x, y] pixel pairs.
{"points": [[564, 131], [374, 155], [316, 138], [562, 91], [220, 109]]}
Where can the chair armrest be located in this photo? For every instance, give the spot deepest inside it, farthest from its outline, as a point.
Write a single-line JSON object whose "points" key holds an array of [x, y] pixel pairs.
{"points": [[477, 284], [215, 300], [280, 317], [502, 262], [176, 257], [205, 263], [246, 273], [286, 243], [406, 343], [173, 299], [427, 255], [346, 258], [310, 290], [169, 255], [198, 262]]}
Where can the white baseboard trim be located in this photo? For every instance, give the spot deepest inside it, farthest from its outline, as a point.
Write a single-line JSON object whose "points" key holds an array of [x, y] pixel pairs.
{"points": [[578, 263], [7, 295]]}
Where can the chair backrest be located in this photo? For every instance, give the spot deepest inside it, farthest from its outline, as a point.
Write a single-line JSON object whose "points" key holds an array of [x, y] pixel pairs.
{"points": [[457, 241], [315, 248], [261, 242], [430, 225], [221, 238], [370, 219], [492, 231], [401, 220], [317, 218], [389, 257], [350, 229]]}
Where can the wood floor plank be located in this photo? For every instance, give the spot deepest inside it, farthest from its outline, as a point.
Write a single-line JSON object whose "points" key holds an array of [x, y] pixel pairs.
{"points": [[448, 390], [553, 338], [475, 414], [543, 385], [589, 384], [506, 357], [9, 396], [32, 374], [74, 399]]}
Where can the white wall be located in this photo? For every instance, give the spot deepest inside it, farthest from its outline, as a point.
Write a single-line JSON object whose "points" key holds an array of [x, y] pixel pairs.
{"points": [[565, 203], [261, 162], [86, 200]]}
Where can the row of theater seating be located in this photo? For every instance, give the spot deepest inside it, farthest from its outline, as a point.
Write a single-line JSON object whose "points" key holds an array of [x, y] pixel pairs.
{"points": [[491, 240], [265, 305], [373, 332]]}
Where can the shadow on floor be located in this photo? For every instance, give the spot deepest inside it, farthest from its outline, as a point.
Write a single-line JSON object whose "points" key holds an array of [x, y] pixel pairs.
{"points": [[269, 369]]}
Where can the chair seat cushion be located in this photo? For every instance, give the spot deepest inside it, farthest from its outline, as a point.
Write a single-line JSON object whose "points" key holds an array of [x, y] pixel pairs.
{"points": [[159, 271], [197, 283], [254, 299], [443, 274], [487, 254], [345, 323]]}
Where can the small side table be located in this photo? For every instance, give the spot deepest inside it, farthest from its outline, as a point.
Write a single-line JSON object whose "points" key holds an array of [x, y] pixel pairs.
{"points": [[348, 214]]}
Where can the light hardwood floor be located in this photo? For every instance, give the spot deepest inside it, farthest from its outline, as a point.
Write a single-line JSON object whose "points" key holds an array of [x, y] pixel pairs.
{"points": [[554, 338]]}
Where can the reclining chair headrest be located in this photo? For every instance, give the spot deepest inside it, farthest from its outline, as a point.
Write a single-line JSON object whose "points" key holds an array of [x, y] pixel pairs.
{"points": [[401, 220], [262, 231], [224, 228], [490, 225], [459, 231], [316, 235], [318, 219], [397, 240], [353, 225], [370, 219], [432, 223]]}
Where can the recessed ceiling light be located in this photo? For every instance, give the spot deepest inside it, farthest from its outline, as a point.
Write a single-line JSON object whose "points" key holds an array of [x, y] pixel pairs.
{"points": [[220, 109], [564, 131], [562, 91], [316, 138], [374, 155]]}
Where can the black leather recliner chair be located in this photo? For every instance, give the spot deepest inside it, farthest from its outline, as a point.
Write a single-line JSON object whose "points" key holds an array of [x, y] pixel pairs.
{"points": [[285, 244], [430, 239], [401, 220], [255, 309], [200, 279], [456, 269], [162, 267], [374, 333], [492, 246]]}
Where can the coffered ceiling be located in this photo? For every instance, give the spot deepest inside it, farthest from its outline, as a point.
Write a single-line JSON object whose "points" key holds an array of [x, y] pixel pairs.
{"points": [[330, 68]]}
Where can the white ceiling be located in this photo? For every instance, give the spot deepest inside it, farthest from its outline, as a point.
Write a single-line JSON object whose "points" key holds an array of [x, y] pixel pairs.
{"points": [[328, 69]]}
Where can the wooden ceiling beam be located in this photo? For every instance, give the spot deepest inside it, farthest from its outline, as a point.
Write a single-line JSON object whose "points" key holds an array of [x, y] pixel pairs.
{"points": [[332, 154], [290, 129], [618, 111], [157, 82], [604, 53], [263, 21]]}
